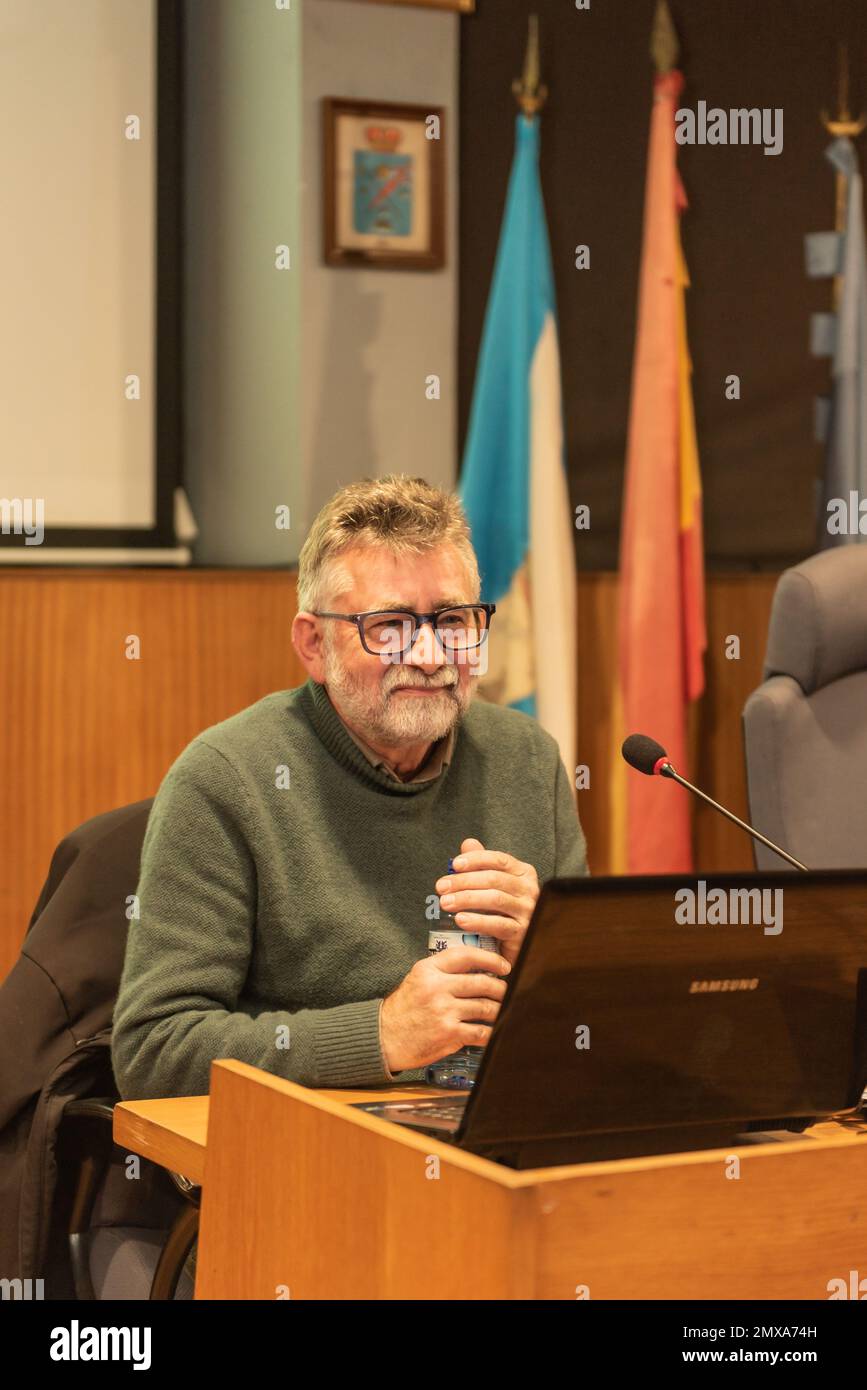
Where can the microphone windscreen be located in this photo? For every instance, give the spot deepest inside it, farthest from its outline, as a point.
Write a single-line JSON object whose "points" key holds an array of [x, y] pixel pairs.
{"points": [[642, 753]]}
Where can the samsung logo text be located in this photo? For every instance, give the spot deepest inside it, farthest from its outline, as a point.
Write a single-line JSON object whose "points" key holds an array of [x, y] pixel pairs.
{"points": [[721, 986]]}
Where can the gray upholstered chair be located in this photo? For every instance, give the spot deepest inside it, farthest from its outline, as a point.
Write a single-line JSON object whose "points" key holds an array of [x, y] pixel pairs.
{"points": [[805, 728]]}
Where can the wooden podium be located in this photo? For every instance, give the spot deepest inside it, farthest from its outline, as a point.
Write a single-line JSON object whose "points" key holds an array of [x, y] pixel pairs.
{"points": [[304, 1197]]}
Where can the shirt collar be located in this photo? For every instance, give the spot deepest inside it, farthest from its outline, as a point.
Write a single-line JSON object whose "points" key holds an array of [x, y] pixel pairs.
{"points": [[436, 762]]}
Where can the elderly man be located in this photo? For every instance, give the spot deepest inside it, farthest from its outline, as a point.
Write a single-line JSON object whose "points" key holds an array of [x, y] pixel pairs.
{"points": [[295, 852]]}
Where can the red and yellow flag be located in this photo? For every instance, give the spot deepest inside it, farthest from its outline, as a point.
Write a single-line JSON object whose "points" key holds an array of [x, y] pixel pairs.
{"points": [[662, 617]]}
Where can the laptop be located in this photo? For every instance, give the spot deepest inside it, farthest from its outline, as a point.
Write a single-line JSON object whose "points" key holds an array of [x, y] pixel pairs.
{"points": [[663, 1013]]}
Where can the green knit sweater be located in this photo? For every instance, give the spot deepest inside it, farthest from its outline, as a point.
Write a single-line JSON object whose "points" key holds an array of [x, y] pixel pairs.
{"points": [[287, 886]]}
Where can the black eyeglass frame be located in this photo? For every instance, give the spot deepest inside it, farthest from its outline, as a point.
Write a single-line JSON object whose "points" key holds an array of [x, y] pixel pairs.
{"points": [[419, 619]]}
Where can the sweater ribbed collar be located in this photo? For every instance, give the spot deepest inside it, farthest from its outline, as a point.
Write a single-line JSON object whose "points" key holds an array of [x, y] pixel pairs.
{"points": [[333, 734]]}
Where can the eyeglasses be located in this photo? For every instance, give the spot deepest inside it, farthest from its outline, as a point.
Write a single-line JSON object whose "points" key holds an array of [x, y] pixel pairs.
{"points": [[391, 632]]}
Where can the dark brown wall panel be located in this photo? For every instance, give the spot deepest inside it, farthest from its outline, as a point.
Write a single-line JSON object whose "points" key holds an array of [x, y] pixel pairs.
{"points": [[743, 234]]}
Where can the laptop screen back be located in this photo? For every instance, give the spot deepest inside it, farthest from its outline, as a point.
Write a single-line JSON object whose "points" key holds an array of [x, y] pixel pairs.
{"points": [[623, 1014]]}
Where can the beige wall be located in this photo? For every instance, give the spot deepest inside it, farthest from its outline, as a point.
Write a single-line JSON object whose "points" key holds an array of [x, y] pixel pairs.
{"points": [[300, 380], [371, 337]]}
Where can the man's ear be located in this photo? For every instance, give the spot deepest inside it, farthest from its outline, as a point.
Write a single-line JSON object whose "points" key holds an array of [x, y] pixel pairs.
{"points": [[308, 641]]}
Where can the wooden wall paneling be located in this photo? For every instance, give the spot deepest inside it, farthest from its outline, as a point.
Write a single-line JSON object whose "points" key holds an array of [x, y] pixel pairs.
{"points": [[737, 606], [87, 729]]}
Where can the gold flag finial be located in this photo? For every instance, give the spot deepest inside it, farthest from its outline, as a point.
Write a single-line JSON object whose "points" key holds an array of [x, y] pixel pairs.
{"points": [[664, 47], [844, 124], [529, 93], [846, 127]]}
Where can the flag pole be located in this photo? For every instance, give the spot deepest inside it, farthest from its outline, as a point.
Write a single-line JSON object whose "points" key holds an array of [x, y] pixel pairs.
{"points": [[844, 126], [664, 47], [527, 90]]}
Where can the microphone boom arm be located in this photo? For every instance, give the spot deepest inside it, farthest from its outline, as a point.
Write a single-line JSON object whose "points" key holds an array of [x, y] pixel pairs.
{"points": [[667, 770]]}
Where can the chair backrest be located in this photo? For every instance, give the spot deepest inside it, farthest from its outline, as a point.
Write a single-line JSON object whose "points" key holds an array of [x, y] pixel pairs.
{"points": [[805, 727], [55, 1015]]}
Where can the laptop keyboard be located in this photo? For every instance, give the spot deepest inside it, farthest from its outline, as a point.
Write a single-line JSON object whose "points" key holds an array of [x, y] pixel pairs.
{"points": [[450, 1107], [444, 1110]]}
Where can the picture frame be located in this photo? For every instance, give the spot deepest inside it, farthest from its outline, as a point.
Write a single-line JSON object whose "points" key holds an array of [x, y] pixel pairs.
{"points": [[460, 6], [383, 185]]}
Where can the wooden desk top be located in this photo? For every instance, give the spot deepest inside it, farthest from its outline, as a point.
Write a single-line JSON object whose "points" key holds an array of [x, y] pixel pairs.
{"points": [[174, 1133]]}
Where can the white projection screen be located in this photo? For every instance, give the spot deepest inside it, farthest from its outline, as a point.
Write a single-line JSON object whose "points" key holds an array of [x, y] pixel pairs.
{"points": [[82, 236]]}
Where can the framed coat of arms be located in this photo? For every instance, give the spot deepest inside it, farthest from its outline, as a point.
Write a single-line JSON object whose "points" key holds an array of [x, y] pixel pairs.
{"points": [[462, 6], [384, 185]]}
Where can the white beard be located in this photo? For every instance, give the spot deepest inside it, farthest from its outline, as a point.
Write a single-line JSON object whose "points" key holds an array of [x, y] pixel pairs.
{"points": [[394, 719]]}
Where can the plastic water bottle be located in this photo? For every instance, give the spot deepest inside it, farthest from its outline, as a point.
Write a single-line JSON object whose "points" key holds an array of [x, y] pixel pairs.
{"points": [[459, 1070]]}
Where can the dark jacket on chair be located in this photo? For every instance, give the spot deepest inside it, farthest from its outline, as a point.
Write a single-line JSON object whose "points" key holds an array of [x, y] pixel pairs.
{"points": [[55, 1021]]}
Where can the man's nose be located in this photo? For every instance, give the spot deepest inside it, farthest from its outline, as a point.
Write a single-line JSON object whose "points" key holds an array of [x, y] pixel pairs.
{"points": [[425, 650]]}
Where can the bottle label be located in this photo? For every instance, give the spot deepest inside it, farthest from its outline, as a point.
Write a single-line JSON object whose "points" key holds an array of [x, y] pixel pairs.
{"points": [[441, 939]]}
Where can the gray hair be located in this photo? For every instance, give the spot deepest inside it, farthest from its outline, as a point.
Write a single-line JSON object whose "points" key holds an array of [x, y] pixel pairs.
{"points": [[407, 515]]}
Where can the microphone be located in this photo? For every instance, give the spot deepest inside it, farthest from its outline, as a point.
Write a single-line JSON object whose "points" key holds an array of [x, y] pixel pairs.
{"points": [[648, 756]]}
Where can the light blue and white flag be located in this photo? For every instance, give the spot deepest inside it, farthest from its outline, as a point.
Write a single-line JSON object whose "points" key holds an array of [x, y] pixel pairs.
{"points": [[841, 419], [513, 482]]}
